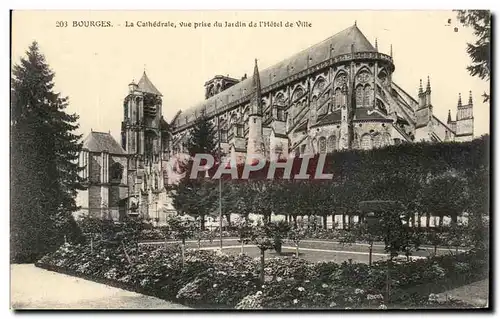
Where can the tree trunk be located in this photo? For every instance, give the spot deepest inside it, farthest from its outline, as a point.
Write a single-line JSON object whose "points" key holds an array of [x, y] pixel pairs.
{"points": [[419, 220], [388, 282], [297, 250], [441, 221], [333, 221], [202, 222], [183, 252], [370, 255], [343, 221], [427, 220], [325, 221], [228, 218], [295, 221], [262, 265]]}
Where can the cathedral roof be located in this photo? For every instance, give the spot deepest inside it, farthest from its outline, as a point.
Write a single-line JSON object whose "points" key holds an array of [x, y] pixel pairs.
{"points": [[100, 141], [145, 85], [338, 44]]}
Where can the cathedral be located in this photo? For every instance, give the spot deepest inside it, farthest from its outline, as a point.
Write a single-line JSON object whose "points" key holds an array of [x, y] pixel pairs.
{"points": [[335, 95]]}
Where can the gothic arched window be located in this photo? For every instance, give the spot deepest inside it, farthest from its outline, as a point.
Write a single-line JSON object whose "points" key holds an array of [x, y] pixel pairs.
{"points": [[338, 98], [322, 145], [332, 144], [366, 142], [359, 96], [116, 172], [377, 141], [368, 94]]}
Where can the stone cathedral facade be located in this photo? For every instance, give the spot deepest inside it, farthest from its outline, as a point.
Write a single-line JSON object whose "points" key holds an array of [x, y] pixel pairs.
{"points": [[338, 94]]}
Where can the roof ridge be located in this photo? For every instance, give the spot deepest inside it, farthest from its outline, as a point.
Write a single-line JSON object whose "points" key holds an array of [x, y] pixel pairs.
{"points": [[294, 59]]}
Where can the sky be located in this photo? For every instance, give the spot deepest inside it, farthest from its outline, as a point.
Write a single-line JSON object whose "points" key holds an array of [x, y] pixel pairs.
{"points": [[94, 66]]}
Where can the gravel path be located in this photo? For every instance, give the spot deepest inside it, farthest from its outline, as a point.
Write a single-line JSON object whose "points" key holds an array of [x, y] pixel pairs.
{"points": [[35, 288]]}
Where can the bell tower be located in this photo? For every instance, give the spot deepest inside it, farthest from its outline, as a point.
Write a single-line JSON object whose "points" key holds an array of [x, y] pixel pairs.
{"points": [[142, 140]]}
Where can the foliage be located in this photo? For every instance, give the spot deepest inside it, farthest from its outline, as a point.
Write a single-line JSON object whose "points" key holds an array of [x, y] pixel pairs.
{"points": [[214, 279], [181, 228], [480, 50], [202, 137], [44, 156]]}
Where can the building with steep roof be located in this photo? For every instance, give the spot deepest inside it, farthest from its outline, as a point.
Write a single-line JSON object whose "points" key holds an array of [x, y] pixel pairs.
{"points": [[105, 167], [337, 94], [128, 178]]}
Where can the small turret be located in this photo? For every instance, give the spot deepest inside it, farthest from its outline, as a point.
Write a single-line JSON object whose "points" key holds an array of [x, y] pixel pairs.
{"points": [[421, 96], [132, 87], [428, 92], [465, 120]]}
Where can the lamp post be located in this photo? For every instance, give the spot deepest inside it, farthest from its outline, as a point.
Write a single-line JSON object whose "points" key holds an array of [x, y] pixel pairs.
{"points": [[220, 179], [157, 216]]}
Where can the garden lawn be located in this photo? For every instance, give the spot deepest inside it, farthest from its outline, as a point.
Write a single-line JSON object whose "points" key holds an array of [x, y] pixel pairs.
{"points": [[313, 255]]}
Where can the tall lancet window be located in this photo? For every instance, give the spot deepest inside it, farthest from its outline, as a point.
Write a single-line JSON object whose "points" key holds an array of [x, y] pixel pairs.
{"points": [[322, 145], [366, 142], [338, 98], [359, 96], [368, 96], [377, 141], [332, 144]]}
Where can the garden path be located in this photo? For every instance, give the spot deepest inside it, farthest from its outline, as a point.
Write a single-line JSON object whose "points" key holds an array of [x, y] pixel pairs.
{"points": [[35, 288], [475, 293]]}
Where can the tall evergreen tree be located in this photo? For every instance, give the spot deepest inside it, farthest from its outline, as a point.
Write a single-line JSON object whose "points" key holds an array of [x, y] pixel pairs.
{"points": [[44, 161], [197, 197], [203, 137]]}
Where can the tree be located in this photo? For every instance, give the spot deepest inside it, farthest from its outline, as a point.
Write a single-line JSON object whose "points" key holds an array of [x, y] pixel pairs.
{"points": [[263, 239], [182, 229], [296, 235], [194, 197], [445, 195], [202, 138], [44, 153], [244, 227], [278, 231], [364, 232], [479, 51]]}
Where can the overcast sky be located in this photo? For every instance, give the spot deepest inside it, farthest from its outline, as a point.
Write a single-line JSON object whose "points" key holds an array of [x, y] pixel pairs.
{"points": [[93, 66]]}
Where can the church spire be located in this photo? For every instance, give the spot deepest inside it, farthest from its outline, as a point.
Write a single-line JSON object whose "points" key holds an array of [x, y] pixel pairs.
{"points": [[428, 88], [376, 44], [470, 97], [420, 89], [459, 99], [257, 89], [449, 117]]}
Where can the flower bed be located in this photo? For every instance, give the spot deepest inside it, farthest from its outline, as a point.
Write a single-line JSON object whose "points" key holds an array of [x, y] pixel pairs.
{"points": [[213, 279]]}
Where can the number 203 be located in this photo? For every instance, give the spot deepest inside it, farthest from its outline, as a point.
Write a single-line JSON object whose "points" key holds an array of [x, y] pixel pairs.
{"points": [[61, 24]]}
